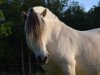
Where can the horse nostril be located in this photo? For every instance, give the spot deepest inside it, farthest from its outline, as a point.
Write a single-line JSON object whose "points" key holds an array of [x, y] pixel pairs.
{"points": [[42, 60], [45, 58]]}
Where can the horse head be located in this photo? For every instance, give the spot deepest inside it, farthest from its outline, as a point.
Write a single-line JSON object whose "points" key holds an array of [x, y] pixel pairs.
{"points": [[34, 30]]}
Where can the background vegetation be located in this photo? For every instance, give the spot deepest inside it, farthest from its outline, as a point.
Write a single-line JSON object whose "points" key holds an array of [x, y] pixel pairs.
{"points": [[13, 49]]}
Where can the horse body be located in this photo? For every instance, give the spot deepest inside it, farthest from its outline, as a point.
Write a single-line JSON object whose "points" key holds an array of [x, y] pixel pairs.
{"points": [[89, 51], [72, 52], [82, 46]]}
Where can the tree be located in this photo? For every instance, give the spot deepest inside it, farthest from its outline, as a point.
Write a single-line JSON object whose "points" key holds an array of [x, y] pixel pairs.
{"points": [[74, 16], [14, 27], [57, 7], [99, 3], [93, 17]]}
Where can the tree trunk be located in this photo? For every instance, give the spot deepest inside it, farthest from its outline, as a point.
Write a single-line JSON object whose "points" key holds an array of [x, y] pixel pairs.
{"points": [[23, 71], [29, 62]]}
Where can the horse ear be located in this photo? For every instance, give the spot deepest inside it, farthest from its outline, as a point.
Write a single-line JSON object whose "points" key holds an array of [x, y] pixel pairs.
{"points": [[24, 16], [44, 13]]}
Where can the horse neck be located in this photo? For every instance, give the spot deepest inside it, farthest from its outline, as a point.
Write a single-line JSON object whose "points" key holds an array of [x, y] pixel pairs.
{"points": [[61, 28], [51, 28], [58, 30]]}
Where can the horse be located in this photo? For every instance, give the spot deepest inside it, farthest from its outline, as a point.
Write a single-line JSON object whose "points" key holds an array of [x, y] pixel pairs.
{"points": [[60, 49]]}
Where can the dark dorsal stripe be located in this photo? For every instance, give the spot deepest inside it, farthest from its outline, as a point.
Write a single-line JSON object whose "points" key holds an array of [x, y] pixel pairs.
{"points": [[34, 25]]}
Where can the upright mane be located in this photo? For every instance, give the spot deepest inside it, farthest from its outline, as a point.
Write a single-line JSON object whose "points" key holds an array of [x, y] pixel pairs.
{"points": [[49, 14]]}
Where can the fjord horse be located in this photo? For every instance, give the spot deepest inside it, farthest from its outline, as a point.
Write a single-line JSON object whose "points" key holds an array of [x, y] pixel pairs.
{"points": [[60, 49]]}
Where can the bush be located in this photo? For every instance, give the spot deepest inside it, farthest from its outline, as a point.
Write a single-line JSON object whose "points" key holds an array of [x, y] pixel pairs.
{"points": [[5, 29]]}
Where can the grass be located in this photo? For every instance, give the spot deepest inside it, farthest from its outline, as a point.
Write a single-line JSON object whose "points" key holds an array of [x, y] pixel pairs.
{"points": [[7, 73], [15, 73]]}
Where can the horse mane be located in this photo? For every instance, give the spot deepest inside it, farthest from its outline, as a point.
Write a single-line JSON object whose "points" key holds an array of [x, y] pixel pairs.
{"points": [[34, 26], [49, 14]]}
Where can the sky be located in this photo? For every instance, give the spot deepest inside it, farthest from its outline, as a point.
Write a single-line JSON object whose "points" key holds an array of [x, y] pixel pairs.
{"points": [[87, 4]]}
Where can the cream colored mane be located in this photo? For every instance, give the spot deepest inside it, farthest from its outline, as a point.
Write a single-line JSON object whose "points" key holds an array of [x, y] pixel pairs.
{"points": [[49, 14]]}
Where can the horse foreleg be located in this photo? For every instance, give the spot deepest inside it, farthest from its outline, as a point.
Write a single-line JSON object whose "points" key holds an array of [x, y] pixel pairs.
{"points": [[98, 73], [69, 69]]}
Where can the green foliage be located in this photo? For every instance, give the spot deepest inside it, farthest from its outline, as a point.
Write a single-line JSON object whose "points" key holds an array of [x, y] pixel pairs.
{"points": [[3, 48], [5, 29], [1, 15], [93, 17], [57, 7], [74, 16]]}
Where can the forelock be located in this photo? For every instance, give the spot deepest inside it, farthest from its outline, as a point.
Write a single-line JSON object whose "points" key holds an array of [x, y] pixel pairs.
{"points": [[34, 26]]}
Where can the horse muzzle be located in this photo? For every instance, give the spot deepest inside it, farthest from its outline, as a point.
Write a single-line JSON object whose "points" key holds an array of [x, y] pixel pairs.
{"points": [[41, 60]]}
